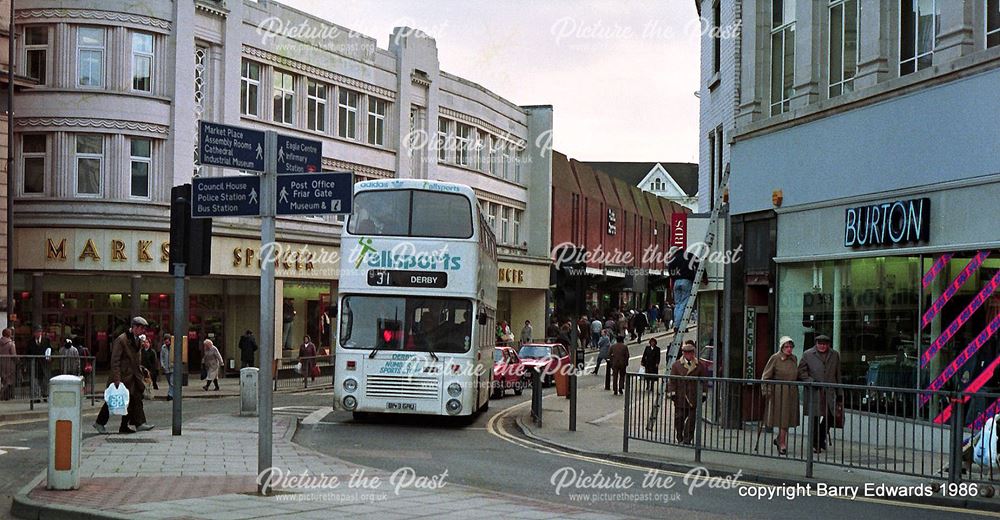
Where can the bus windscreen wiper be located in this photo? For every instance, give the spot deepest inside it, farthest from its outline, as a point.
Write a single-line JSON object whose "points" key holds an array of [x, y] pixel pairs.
{"points": [[430, 350]]}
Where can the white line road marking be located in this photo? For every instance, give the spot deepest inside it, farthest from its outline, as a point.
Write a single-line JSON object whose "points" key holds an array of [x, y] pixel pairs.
{"points": [[605, 418], [3, 449], [318, 415]]}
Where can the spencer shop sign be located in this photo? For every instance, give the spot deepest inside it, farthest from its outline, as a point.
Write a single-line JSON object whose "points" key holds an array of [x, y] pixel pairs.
{"points": [[888, 224]]}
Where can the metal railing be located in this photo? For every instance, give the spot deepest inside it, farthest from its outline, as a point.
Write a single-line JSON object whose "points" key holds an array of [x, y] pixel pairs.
{"points": [[26, 378], [293, 373], [934, 434]]}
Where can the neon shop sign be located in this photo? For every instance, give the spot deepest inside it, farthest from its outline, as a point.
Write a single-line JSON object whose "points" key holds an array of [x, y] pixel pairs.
{"points": [[888, 224]]}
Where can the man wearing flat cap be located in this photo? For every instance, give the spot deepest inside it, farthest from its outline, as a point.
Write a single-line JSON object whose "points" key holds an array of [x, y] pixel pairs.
{"points": [[820, 364], [684, 392], [126, 369]]}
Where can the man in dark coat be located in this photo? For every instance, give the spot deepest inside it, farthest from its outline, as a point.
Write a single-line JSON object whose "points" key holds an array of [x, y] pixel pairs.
{"points": [[651, 362], [820, 364], [126, 369], [684, 393], [639, 324], [40, 349], [619, 363], [247, 346]]}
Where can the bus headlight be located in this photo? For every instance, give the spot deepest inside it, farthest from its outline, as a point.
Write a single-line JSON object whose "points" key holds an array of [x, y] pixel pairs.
{"points": [[455, 390], [453, 406], [350, 385], [351, 403]]}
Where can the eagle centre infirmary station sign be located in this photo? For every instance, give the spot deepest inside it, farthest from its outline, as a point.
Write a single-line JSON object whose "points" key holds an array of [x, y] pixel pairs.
{"points": [[888, 224]]}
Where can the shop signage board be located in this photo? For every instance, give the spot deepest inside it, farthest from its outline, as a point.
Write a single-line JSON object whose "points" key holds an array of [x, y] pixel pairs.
{"points": [[225, 196], [888, 224], [314, 193], [297, 155], [231, 146]]}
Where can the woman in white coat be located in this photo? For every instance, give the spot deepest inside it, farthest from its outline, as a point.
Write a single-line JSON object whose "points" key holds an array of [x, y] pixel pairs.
{"points": [[211, 359]]}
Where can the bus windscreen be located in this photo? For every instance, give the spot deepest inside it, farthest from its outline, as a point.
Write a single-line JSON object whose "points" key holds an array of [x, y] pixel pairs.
{"points": [[407, 324], [411, 213]]}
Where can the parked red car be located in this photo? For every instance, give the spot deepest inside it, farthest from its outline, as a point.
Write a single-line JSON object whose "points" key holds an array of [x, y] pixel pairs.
{"points": [[508, 372], [549, 358]]}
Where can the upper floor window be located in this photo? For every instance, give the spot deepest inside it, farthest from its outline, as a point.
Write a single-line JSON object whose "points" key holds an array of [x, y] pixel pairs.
{"points": [[518, 160], [284, 98], [249, 88], [90, 56], [491, 151], [462, 133], [992, 23], [491, 215], [142, 62], [843, 45], [89, 163], [505, 159], [716, 36], [347, 118], [442, 139], [516, 232], [141, 155], [504, 224], [917, 31], [782, 54], [36, 49], [34, 153], [316, 116], [376, 120]]}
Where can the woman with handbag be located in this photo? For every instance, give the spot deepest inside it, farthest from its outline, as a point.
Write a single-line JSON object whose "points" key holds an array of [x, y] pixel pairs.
{"points": [[211, 362], [782, 399], [307, 357]]}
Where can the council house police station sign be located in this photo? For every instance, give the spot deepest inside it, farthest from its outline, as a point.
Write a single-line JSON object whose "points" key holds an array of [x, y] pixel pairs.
{"points": [[888, 224]]}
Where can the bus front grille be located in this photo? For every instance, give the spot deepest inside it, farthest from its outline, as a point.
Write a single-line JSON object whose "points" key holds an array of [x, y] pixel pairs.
{"points": [[402, 387]]}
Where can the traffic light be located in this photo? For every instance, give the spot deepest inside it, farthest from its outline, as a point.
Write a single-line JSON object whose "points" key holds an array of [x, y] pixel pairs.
{"points": [[190, 238], [571, 281]]}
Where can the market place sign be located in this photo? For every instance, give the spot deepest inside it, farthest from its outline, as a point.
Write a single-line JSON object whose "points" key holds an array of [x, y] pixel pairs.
{"points": [[888, 224]]}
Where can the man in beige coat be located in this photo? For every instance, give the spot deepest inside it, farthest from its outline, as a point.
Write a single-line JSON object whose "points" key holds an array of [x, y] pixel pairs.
{"points": [[820, 364]]}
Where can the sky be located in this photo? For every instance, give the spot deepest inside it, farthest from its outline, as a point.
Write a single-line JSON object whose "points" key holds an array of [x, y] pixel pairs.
{"points": [[621, 75]]}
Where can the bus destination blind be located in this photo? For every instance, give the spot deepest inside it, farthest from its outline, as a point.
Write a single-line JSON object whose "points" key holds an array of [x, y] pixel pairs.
{"points": [[396, 278]]}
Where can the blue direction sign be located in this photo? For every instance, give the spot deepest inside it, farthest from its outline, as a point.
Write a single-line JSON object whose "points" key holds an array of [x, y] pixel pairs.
{"points": [[231, 147], [315, 193], [296, 155], [225, 196]]}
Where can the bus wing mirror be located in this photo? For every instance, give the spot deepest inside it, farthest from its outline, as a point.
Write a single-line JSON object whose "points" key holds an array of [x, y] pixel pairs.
{"points": [[483, 318]]}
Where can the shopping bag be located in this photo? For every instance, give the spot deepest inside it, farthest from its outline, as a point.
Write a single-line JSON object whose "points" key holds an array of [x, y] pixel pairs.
{"points": [[298, 368], [117, 399], [315, 371], [88, 368]]}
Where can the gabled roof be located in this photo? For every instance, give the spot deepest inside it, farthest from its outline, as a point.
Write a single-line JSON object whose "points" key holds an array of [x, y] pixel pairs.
{"points": [[685, 175]]}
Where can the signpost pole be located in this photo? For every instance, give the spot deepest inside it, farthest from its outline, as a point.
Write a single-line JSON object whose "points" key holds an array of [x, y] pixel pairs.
{"points": [[180, 330], [264, 388]]}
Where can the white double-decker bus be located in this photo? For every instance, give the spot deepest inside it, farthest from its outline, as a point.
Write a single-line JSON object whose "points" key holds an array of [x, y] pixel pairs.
{"points": [[418, 289]]}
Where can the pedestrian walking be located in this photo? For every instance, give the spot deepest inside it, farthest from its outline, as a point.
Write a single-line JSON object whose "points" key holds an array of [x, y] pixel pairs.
{"points": [[167, 366], [248, 349], [782, 399], [307, 358], [150, 361], [40, 351], [70, 362], [552, 331], [639, 324], [603, 351], [622, 325], [596, 327], [212, 360], [8, 365], [126, 369], [526, 332], [653, 317], [651, 362], [820, 364], [619, 364], [684, 393], [583, 332]]}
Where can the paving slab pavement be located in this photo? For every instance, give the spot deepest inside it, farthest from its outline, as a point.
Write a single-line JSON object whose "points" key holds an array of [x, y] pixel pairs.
{"points": [[211, 473]]}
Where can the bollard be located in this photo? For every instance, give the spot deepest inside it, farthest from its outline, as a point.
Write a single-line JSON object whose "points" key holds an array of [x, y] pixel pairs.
{"points": [[248, 391], [65, 403]]}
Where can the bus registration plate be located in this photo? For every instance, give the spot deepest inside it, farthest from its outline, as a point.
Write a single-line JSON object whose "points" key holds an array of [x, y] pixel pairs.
{"points": [[412, 407]]}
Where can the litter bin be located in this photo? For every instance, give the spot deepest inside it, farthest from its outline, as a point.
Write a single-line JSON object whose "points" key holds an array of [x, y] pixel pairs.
{"points": [[65, 402], [562, 383]]}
